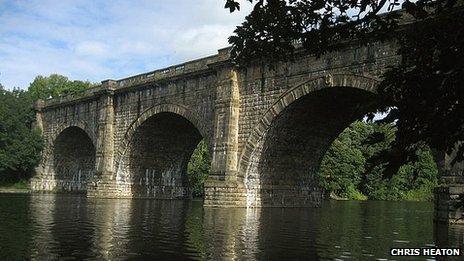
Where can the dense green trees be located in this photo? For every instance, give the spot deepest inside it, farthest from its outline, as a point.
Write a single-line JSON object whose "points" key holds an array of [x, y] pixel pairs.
{"points": [[54, 86], [198, 169], [347, 170], [20, 143]]}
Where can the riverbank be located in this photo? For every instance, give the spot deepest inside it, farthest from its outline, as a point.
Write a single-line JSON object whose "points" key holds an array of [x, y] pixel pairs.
{"points": [[424, 194], [14, 191], [14, 187]]}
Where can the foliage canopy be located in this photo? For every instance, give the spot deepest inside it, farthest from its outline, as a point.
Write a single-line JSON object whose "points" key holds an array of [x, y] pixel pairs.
{"points": [[198, 169], [347, 171], [20, 142], [54, 86]]}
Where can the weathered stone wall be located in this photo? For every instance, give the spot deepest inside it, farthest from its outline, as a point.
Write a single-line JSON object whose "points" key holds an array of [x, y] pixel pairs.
{"points": [[261, 87], [258, 146], [287, 123], [61, 120], [262, 94], [111, 115], [191, 100], [268, 128]]}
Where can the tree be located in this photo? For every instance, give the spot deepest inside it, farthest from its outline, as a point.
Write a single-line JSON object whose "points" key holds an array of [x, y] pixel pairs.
{"points": [[198, 169], [423, 95], [20, 144], [54, 86], [426, 88], [273, 27], [346, 169], [343, 165]]}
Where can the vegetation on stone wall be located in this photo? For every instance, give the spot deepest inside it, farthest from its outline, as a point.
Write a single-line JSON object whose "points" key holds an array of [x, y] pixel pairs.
{"points": [[20, 143], [348, 171], [198, 169]]}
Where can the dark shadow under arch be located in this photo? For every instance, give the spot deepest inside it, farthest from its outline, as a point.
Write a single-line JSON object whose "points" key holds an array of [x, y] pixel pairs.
{"points": [[73, 159], [283, 163], [159, 151]]}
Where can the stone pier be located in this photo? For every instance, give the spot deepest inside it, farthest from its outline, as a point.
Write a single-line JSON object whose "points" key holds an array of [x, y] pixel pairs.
{"points": [[448, 208]]}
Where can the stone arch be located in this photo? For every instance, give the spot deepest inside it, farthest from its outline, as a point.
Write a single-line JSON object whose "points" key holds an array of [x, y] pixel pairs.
{"points": [[170, 108], [50, 140], [153, 155], [283, 151], [295, 93], [80, 124], [73, 157]]}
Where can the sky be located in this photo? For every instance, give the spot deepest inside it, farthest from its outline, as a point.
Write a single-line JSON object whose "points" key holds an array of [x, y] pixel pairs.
{"points": [[97, 39]]}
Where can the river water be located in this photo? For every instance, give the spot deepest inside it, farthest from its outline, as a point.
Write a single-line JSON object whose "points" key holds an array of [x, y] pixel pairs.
{"points": [[71, 227]]}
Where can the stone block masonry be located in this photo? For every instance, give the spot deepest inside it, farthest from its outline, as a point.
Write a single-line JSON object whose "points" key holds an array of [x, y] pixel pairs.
{"points": [[268, 129]]}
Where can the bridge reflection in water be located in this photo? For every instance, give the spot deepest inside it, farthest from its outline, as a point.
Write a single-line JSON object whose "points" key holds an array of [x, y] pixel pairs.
{"points": [[58, 226]]}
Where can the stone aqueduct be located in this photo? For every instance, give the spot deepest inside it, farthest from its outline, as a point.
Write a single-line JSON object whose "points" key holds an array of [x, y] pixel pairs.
{"points": [[267, 128]]}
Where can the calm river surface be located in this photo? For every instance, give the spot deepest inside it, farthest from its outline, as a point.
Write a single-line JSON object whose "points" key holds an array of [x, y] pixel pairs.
{"points": [[70, 227]]}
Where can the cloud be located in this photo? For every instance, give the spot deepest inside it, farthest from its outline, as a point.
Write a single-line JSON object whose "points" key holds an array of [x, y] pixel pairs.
{"points": [[96, 49], [96, 40]]}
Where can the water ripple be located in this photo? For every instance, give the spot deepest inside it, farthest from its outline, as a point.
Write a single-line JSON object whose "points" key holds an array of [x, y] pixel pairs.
{"points": [[76, 228]]}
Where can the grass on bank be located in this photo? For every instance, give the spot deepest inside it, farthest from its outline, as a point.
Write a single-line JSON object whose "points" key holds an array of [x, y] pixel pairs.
{"points": [[20, 185], [420, 194]]}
